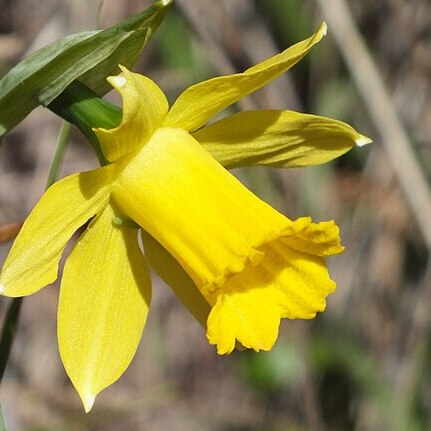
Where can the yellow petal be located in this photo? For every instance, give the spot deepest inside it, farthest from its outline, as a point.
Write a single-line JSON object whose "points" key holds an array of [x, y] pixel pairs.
{"points": [[143, 100], [198, 103], [287, 283], [277, 138], [104, 300], [320, 239], [170, 271], [32, 262]]}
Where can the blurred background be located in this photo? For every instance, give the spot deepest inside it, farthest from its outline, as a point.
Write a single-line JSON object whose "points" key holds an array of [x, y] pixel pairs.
{"points": [[364, 364]]}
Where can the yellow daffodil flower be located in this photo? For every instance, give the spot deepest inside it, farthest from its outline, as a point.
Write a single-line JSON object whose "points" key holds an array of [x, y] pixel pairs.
{"points": [[237, 264]]}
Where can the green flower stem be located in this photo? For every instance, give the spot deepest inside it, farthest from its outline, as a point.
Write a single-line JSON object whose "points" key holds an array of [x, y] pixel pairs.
{"points": [[81, 106], [8, 333], [63, 139]]}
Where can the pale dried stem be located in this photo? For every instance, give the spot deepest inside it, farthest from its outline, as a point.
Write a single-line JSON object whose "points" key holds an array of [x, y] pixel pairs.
{"points": [[394, 137]]}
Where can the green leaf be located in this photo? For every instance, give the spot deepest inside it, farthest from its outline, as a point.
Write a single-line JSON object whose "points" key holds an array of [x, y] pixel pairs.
{"points": [[89, 56]]}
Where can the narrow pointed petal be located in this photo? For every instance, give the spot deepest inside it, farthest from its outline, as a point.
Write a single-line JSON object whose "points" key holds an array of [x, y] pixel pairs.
{"points": [[32, 262], [171, 272], [142, 99], [277, 138], [104, 299], [198, 103], [288, 284]]}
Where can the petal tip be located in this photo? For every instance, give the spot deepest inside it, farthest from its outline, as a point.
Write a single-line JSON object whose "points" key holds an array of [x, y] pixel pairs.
{"points": [[118, 81], [324, 28], [88, 402], [2, 288], [363, 140], [224, 350]]}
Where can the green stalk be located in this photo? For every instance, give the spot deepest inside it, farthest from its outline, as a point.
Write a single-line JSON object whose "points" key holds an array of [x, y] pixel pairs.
{"points": [[63, 139], [8, 333]]}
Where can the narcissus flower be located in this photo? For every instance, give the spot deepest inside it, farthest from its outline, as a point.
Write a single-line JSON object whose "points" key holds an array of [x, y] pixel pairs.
{"points": [[237, 264]]}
